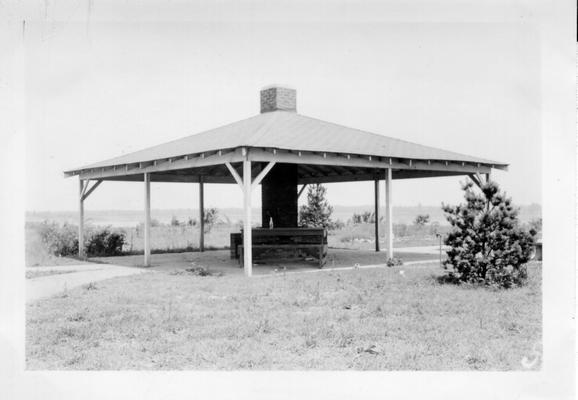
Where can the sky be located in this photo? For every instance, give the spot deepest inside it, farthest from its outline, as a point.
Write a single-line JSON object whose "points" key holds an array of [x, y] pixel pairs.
{"points": [[99, 85]]}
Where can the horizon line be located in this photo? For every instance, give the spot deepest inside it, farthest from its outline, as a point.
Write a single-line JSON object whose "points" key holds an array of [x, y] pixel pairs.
{"points": [[241, 208]]}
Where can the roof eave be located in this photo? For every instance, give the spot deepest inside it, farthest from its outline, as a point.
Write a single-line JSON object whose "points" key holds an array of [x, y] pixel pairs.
{"points": [[272, 154]]}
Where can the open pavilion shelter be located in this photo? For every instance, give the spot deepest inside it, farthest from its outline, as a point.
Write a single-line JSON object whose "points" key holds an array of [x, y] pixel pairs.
{"points": [[283, 152]]}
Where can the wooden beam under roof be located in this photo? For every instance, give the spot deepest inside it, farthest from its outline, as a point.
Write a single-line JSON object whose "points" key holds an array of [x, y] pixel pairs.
{"points": [[170, 178], [309, 169], [342, 160], [311, 159], [160, 165], [371, 176], [336, 169]]}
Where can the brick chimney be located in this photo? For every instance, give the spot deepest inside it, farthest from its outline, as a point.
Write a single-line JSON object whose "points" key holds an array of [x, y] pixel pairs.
{"points": [[277, 98]]}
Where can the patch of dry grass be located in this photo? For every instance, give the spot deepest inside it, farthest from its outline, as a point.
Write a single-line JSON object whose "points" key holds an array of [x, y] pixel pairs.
{"points": [[362, 236], [169, 238], [360, 319]]}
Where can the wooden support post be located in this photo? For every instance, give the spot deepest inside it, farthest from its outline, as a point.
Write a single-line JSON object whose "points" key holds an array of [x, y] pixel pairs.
{"points": [[147, 224], [376, 213], [247, 239], [388, 213], [201, 214], [487, 177], [81, 253]]}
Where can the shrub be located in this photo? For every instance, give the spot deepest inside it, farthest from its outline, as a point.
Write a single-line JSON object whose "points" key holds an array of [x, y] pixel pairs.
{"points": [[62, 240], [487, 245], [59, 240], [175, 221], [337, 225], [356, 218], [210, 218], [394, 262], [366, 217], [103, 242], [199, 271], [421, 219]]}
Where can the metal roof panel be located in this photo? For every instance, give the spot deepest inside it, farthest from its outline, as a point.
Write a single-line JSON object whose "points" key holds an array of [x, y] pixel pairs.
{"points": [[291, 131]]}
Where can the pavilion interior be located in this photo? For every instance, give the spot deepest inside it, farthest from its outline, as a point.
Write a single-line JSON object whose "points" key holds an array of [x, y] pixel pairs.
{"points": [[306, 173]]}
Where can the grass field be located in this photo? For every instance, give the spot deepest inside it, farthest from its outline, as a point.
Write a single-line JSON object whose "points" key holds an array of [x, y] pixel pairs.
{"points": [[377, 319]]}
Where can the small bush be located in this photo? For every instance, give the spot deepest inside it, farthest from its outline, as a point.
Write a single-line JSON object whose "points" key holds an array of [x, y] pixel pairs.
{"points": [[421, 220], [394, 262], [366, 217], [58, 240], [211, 216], [62, 240], [199, 270], [336, 225], [103, 242]]}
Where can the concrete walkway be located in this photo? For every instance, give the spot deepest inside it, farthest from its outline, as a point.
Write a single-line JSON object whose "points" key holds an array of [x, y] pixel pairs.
{"points": [[420, 250], [74, 276]]}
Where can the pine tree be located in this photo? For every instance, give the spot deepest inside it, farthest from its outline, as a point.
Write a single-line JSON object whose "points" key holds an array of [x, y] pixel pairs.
{"points": [[317, 212], [487, 243]]}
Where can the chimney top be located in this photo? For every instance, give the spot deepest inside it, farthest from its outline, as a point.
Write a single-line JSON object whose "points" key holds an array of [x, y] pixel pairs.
{"points": [[278, 98]]}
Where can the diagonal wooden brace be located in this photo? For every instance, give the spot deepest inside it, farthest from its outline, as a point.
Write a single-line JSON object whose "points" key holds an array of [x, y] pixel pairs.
{"points": [[476, 179], [235, 175], [255, 181], [86, 193], [262, 174]]}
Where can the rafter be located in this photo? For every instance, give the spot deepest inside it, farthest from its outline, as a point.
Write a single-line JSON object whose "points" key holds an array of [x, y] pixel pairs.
{"points": [[310, 170]]}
